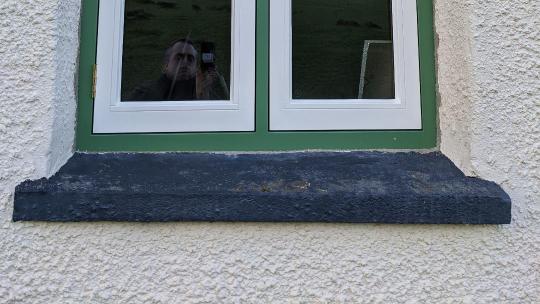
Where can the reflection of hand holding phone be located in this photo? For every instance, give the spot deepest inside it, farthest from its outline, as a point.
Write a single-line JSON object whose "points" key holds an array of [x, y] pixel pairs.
{"points": [[210, 84], [208, 74], [208, 56]]}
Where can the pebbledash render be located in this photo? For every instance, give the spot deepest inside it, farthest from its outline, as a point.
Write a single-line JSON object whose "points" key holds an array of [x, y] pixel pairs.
{"points": [[488, 62]]}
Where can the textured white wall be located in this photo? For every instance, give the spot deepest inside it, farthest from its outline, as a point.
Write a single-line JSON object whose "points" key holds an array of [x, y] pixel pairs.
{"points": [[38, 55], [489, 82]]}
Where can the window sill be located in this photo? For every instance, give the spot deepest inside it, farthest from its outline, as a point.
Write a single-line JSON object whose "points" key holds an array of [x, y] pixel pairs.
{"points": [[352, 187]]}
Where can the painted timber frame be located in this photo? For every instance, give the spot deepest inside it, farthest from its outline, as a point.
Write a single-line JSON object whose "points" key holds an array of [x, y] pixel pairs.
{"points": [[262, 139]]}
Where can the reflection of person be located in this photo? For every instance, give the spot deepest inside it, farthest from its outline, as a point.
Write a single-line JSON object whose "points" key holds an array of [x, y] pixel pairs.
{"points": [[181, 78]]}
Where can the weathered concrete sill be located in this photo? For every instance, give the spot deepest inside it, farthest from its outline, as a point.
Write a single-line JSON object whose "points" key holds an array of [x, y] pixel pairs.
{"points": [[354, 187]]}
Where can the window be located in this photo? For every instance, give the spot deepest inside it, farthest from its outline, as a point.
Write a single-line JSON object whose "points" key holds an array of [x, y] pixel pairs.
{"points": [[141, 40], [308, 92], [287, 75], [291, 75]]}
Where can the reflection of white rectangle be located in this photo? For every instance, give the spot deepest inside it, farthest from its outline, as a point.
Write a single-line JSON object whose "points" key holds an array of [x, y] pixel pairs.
{"points": [[111, 115], [365, 55], [402, 112]]}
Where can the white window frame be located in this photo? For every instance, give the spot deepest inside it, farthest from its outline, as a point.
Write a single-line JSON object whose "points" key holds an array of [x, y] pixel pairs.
{"points": [[111, 115], [403, 112]]}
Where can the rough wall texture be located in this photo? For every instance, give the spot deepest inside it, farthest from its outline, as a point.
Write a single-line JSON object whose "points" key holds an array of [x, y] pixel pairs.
{"points": [[489, 63], [37, 80], [454, 40]]}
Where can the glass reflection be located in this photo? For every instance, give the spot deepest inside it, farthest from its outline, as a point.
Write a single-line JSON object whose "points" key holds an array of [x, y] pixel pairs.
{"points": [[176, 50], [342, 49]]}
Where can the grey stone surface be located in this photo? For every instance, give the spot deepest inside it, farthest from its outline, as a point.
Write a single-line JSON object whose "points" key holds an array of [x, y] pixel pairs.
{"points": [[355, 187]]}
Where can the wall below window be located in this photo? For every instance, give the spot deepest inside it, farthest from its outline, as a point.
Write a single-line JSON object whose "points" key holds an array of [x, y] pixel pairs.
{"points": [[488, 60]]}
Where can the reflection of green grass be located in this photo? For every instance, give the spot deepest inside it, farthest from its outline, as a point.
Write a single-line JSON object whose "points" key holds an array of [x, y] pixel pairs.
{"points": [[151, 25], [328, 39]]}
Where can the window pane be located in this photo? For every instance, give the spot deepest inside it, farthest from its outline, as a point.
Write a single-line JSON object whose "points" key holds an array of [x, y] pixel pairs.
{"points": [[176, 50], [342, 49]]}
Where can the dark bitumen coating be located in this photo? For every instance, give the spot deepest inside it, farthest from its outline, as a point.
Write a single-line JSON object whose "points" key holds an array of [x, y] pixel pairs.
{"points": [[348, 187]]}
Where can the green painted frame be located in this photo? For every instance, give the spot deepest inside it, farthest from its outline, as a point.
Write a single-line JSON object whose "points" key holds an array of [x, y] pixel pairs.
{"points": [[262, 139]]}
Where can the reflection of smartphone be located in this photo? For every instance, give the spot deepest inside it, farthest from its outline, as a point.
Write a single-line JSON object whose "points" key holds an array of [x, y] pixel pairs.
{"points": [[208, 57]]}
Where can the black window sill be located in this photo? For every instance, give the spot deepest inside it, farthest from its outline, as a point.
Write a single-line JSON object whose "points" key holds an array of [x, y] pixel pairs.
{"points": [[353, 187]]}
